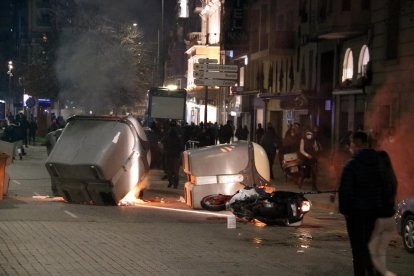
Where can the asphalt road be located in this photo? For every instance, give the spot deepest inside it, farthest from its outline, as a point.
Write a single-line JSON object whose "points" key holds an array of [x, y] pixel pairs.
{"points": [[41, 235]]}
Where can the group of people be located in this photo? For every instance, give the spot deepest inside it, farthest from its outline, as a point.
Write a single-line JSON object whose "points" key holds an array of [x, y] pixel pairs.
{"points": [[19, 128], [305, 145], [171, 139]]}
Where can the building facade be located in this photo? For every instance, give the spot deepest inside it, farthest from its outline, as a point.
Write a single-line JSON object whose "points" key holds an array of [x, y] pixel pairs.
{"points": [[333, 66]]}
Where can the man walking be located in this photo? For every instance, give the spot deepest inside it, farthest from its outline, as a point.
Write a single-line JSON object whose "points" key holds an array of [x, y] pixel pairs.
{"points": [[360, 198]]}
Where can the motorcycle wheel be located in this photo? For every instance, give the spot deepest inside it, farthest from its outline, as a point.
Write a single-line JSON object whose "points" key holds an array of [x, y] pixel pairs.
{"points": [[216, 202]]}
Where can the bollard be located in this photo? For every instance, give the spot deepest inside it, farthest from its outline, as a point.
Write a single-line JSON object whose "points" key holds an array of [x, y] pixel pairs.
{"points": [[3, 160], [231, 221]]}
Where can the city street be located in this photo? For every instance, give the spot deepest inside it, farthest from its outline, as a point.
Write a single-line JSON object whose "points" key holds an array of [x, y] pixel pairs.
{"points": [[43, 235]]}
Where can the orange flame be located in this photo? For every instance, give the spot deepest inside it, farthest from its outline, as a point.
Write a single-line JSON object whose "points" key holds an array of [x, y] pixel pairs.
{"points": [[131, 197]]}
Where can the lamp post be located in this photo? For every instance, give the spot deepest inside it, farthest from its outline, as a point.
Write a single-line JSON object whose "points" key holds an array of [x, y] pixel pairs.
{"points": [[10, 74], [160, 50]]}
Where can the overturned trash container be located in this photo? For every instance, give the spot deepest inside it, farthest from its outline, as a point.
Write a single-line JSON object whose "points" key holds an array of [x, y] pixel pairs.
{"points": [[3, 176], [99, 159], [223, 169]]}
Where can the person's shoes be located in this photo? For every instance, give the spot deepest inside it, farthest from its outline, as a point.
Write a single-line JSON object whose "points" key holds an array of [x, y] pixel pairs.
{"points": [[169, 185], [164, 177]]}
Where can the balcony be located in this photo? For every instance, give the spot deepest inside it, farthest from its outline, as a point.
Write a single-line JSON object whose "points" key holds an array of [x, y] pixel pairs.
{"points": [[282, 40], [342, 24], [195, 38]]}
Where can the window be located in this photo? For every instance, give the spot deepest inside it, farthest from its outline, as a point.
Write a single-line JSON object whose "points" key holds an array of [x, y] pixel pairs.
{"points": [[346, 5], [392, 29], [43, 19], [365, 5], [281, 23], [348, 66], [241, 76], [363, 61]]}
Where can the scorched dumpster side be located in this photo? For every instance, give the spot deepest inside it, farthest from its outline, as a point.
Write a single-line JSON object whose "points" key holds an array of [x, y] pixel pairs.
{"points": [[99, 159], [223, 169]]}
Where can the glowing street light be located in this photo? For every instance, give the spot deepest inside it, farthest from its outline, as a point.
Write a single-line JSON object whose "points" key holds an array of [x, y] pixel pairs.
{"points": [[10, 67], [10, 74]]}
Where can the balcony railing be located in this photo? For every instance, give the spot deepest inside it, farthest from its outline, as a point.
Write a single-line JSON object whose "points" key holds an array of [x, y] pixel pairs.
{"points": [[342, 24], [282, 40], [195, 38]]}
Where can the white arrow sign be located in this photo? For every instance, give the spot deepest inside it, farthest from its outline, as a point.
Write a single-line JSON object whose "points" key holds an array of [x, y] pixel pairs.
{"points": [[215, 75], [216, 67], [211, 82]]}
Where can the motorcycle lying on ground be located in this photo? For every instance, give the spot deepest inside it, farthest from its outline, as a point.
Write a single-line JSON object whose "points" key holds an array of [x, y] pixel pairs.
{"points": [[275, 208]]}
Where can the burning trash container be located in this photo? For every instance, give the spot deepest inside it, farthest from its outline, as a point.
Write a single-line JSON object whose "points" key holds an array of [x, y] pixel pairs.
{"points": [[223, 169], [99, 159]]}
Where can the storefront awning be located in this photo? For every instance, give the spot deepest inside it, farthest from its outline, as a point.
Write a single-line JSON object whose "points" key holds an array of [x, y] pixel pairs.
{"points": [[347, 92], [279, 96]]}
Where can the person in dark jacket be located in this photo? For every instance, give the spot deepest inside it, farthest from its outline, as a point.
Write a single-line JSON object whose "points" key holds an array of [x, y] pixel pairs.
{"points": [[226, 133], [360, 199], [238, 133], [308, 150], [269, 143], [32, 131], [259, 133], [173, 147], [385, 224]]}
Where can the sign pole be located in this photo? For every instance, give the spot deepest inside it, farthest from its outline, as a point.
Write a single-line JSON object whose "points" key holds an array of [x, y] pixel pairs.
{"points": [[205, 103]]}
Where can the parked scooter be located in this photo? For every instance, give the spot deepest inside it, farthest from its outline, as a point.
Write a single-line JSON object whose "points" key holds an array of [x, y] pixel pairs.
{"points": [[280, 207]]}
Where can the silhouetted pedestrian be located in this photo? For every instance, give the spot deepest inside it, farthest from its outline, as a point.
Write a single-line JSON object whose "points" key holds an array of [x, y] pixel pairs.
{"points": [[226, 133], [32, 131], [269, 143], [173, 147], [259, 133], [361, 199]]}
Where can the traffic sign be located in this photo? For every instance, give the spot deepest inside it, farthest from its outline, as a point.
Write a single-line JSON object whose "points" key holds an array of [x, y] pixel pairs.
{"points": [[207, 60], [213, 82], [215, 75], [215, 67]]}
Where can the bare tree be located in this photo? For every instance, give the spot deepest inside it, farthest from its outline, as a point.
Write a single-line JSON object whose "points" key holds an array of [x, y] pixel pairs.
{"points": [[93, 62], [103, 65]]}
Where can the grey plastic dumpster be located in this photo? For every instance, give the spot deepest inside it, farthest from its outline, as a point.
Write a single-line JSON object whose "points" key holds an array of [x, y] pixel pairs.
{"points": [[99, 159], [223, 169]]}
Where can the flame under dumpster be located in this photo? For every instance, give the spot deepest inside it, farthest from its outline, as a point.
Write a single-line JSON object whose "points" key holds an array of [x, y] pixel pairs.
{"points": [[223, 169], [99, 159]]}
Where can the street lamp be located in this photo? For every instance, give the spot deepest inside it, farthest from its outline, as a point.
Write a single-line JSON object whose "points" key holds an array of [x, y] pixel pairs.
{"points": [[10, 74]]}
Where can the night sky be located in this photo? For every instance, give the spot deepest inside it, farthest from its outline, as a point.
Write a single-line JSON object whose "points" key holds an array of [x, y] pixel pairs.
{"points": [[147, 13]]}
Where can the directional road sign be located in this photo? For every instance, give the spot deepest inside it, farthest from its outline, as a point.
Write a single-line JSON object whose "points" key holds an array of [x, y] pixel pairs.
{"points": [[215, 75], [207, 60], [214, 82], [215, 67]]}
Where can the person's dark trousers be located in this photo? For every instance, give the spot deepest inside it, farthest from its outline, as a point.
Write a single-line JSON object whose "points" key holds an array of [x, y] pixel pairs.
{"points": [[360, 228], [173, 168], [271, 157]]}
